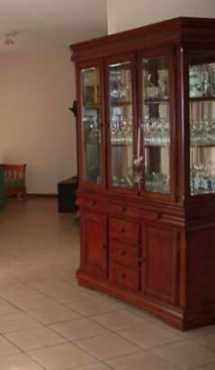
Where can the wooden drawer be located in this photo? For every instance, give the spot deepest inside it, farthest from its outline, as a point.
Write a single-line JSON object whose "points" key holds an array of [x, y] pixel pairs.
{"points": [[123, 210], [124, 277], [124, 230], [92, 203], [124, 254]]}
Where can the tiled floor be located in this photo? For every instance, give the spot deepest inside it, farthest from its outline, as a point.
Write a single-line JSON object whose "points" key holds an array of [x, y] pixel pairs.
{"points": [[48, 322]]}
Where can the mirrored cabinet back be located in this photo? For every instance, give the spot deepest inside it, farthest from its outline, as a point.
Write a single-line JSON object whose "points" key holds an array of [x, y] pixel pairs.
{"points": [[146, 138]]}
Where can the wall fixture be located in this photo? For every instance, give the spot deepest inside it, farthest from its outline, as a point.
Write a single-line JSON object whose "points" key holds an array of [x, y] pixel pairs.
{"points": [[74, 108], [9, 37]]}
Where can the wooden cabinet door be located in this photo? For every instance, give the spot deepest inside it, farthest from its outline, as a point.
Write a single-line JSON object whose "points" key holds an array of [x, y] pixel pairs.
{"points": [[91, 130], [157, 131], [122, 121], [94, 244], [160, 263]]}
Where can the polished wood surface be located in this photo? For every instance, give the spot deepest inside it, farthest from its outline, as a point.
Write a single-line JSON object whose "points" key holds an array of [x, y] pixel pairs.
{"points": [[154, 250]]}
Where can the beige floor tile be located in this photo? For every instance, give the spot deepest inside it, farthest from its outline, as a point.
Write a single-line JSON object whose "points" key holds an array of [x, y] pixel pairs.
{"points": [[204, 336], [16, 322], [60, 291], [148, 335], [54, 315], [33, 301], [62, 357], [141, 361], [207, 367], [39, 259], [207, 340], [146, 315], [107, 346], [90, 306], [18, 362], [119, 320], [96, 366], [33, 339], [6, 307], [79, 329], [7, 348], [186, 355], [21, 292]]}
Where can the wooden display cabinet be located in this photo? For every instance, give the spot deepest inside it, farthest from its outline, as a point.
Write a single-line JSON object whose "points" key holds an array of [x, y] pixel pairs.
{"points": [[146, 131]]}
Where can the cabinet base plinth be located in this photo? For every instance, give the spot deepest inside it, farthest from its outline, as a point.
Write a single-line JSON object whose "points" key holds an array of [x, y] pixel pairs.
{"points": [[169, 315], [178, 318]]}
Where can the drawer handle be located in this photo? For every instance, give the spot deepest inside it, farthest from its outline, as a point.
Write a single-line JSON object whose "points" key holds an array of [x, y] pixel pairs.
{"points": [[124, 209], [93, 203], [122, 230], [142, 259], [104, 246], [123, 275]]}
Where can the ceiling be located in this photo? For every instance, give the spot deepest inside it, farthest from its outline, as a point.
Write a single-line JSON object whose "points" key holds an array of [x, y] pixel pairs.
{"points": [[42, 24]]}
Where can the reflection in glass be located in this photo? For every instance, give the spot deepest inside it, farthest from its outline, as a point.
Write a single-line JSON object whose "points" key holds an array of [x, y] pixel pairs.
{"points": [[91, 124], [156, 125], [121, 124], [202, 126], [202, 79]]}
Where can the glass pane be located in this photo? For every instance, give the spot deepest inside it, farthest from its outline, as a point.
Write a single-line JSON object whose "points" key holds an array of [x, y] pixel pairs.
{"points": [[121, 124], [202, 125], [91, 124], [156, 125]]}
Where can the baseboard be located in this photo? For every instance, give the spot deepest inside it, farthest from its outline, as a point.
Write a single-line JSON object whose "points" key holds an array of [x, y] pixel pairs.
{"points": [[41, 195]]}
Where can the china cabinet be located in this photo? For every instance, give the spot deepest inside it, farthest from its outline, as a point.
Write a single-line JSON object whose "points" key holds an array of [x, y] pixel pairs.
{"points": [[146, 131]]}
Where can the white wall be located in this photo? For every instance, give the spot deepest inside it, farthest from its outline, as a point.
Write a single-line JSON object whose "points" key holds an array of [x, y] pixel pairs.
{"points": [[35, 125], [127, 14]]}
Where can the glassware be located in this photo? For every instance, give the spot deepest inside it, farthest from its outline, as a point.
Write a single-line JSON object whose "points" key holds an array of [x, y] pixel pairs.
{"points": [[91, 124], [121, 124], [202, 126], [156, 125], [202, 79]]}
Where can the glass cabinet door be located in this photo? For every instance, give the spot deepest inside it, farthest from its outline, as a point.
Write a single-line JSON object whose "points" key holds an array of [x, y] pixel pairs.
{"points": [[155, 127], [121, 124], [91, 110], [202, 124]]}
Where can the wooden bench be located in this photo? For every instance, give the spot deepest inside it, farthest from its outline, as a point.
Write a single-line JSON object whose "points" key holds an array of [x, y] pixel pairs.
{"points": [[14, 179]]}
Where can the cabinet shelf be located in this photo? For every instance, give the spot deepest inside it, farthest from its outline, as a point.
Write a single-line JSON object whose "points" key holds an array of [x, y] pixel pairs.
{"points": [[156, 100], [92, 106], [203, 145], [123, 143], [157, 145], [202, 98], [120, 103]]}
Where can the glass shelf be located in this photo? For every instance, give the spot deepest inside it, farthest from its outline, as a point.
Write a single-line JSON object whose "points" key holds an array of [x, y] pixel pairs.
{"points": [[202, 127], [202, 98], [121, 142], [121, 125], [91, 107], [155, 129], [156, 145], [119, 103], [156, 101]]}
